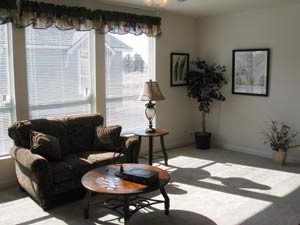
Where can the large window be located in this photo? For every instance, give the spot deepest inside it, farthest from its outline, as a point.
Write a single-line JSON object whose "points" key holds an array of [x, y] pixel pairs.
{"points": [[129, 63], [6, 100], [59, 72]]}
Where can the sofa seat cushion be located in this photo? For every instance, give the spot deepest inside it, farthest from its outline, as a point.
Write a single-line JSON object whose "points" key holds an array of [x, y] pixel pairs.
{"points": [[67, 187], [71, 168], [100, 158], [75, 165]]}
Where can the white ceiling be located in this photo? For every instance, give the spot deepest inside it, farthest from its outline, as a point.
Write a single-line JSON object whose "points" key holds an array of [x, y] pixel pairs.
{"points": [[199, 8]]}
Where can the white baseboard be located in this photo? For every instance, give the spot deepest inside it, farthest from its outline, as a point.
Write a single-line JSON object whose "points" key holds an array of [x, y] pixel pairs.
{"points": [[257, 152], [4, 184], [176, 141], [246, 150], [173, 146]]}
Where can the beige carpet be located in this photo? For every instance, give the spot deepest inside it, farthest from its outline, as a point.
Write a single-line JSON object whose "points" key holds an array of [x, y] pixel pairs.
{"points": [[207, 187]]}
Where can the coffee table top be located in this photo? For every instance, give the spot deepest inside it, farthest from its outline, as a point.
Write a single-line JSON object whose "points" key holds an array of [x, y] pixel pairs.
{"points": [[103, 180], [159, 132]]}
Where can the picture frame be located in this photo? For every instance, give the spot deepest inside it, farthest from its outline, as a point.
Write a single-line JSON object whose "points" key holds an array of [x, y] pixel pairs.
{"points": [[250, 71], [179, 69]]}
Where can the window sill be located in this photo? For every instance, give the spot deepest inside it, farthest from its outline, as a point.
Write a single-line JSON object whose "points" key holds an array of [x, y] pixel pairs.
{"points": [[130, 134], [4, 157]]}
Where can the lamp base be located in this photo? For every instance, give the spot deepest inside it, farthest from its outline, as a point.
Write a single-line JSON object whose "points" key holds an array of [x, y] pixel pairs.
{"points": [[150, 130]]}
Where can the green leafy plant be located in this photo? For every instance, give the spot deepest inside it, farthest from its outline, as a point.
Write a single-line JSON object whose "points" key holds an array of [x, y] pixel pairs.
{"points": [[279, 136], [204, 84]]}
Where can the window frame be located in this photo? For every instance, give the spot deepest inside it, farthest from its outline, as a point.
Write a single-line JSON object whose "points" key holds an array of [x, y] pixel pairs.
{"points": [[10, 106], [90, 99]]}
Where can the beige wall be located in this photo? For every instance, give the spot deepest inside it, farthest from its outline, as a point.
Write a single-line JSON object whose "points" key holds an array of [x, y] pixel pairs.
{"points": [[236, 124], [175, 113]]}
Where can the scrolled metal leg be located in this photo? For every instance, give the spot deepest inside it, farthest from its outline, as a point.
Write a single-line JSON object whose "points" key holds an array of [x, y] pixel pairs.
{"points": [[126, 210], [86, 204], [167, 200], [150, 150]]}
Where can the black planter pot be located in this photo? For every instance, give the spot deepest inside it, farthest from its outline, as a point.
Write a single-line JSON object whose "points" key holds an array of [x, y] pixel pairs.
{"points": [[202, 140]]}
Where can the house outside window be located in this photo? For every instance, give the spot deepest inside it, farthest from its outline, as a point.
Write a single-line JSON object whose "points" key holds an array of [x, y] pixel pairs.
{"points": [[59, 72], [129, 63]]}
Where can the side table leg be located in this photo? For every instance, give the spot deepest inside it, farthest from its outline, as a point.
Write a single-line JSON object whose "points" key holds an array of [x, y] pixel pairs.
{"points": [[150, 150], [86, 204], [126, 210], [163, 148], [167, 200], [140, 141]]}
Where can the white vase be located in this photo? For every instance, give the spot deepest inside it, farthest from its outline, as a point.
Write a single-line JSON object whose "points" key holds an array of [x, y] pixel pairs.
{"points": [[279, 157]]}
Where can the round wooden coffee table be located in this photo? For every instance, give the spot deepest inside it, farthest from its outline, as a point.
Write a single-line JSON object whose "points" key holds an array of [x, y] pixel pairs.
{"points": [[122, 193]]}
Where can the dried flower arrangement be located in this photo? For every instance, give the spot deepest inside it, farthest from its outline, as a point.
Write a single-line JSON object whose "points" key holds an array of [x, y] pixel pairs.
{"points": [[279, 136]]}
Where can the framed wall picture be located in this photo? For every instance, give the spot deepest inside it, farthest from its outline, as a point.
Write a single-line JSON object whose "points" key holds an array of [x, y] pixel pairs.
{"points": [[250, 71], [179, 69]]}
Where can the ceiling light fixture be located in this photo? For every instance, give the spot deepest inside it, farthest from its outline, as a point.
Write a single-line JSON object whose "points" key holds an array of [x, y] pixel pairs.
{"points": [[161, 3]]}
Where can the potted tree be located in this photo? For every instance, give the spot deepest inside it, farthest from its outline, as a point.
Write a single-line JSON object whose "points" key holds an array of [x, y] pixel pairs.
{"points": [[204, 84], [280, 138]]}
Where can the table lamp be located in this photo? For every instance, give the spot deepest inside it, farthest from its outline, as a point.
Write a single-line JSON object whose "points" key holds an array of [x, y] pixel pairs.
{"points": [[150, 92]]}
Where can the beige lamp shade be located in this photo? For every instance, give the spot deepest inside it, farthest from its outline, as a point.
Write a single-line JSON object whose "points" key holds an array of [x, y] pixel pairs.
{"points": [[151, 92]]}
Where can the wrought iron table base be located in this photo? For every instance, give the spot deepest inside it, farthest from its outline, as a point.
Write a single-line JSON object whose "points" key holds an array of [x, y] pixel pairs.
{"points": [[121, 204]]}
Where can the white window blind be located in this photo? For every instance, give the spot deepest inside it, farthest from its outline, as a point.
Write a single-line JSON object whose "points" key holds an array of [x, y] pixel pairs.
{"points": [[129, 63], [59, 72], [6, 111]]}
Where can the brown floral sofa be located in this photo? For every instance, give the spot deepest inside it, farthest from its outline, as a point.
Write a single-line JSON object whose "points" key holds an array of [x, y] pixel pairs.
{"points": [[51, 182]]}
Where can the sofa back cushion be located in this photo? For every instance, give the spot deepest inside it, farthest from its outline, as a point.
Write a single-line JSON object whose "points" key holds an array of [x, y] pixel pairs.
{"points": [[81, 131], [20, 132]]}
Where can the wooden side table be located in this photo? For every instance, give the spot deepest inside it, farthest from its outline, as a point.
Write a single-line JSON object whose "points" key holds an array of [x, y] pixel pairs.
{"points": [[159, 133]]}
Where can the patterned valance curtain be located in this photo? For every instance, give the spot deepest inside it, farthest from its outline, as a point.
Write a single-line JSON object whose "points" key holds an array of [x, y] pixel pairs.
{"points": [[43, 15]]}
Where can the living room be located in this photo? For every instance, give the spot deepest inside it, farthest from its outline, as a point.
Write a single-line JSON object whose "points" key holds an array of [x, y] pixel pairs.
{"points": [[260, 191]]}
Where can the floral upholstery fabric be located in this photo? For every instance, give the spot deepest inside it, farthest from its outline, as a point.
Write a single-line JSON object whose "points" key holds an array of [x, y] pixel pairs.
{"points": [[107, 138], [49, 182], [45, 145], [20, 132], [34, 175], [100, 158], [29, 161], [130, 148], [72, 168], [75, 165], [81, 131]]}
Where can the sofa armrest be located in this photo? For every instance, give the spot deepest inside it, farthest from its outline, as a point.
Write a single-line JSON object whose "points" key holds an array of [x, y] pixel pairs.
{"points": [[32, 162], [34, 174], [131, 146]]}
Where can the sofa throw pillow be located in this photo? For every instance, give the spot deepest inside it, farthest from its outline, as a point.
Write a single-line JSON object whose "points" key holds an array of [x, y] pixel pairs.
{"points": [[45, 145], [107, 138]]}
